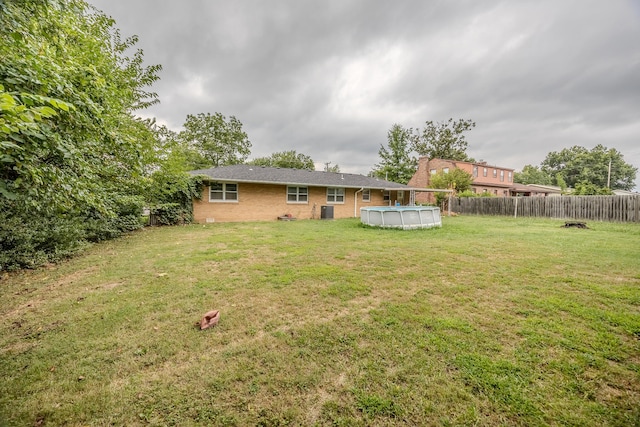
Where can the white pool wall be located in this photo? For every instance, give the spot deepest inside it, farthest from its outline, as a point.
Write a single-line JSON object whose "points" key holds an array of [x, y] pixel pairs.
{"points": [[405, 217]]}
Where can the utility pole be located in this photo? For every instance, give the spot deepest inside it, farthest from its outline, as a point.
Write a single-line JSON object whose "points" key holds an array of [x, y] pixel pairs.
{"points": [[609, 175], [326, 166]]}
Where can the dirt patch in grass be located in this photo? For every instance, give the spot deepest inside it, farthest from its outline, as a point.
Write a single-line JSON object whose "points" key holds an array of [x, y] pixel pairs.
{"points": [[109, 286], [29, 306], [73, 277], [329, 391]]}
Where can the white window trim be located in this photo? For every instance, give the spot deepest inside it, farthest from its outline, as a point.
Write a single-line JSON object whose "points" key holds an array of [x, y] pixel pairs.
{"points": [[335, 195], [224, 193], [366, 192], [297, 201]]}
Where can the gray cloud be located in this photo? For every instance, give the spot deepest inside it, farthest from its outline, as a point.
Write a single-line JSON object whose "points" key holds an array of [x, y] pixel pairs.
{"points": [[328, 79]]}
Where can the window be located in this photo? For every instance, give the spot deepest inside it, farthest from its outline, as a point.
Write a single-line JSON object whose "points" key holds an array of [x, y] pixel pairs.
{"points": [[495, 173], [366, 195], [475, 171], [433, 171], [510, 176], [445, 170], [501, 176], [335, 195], [223, 192], [297, 194], [386, 195], [484, 172]]}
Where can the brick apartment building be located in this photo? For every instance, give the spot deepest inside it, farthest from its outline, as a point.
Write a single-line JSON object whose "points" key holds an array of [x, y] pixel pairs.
{"points": [[495, 180]]}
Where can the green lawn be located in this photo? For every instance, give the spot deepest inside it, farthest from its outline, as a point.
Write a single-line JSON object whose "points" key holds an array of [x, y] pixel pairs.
{"points": [[485, 321]]}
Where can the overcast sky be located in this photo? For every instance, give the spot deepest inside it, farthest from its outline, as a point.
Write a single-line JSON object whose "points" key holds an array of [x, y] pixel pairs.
{"points": [[329, 78]]}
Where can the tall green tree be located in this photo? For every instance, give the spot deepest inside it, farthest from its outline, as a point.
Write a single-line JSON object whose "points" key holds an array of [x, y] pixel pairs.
{"points": [[174, 154], [286, 159], [170, 190], [64, 56], [220, 141], [602, 167], [532, 175], [396, 162], [444, 140], [332, 168], [72, 150], [456, 179]]}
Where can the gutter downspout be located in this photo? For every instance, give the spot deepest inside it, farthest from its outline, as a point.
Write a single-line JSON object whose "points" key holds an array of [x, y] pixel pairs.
{"points": [[355, 202]]}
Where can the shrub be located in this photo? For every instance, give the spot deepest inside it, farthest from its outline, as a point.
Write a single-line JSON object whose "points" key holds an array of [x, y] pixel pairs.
{"points": [[171, 214], [468, 193], [126, 217], [585, 188], [171, 197], [29, 239]]}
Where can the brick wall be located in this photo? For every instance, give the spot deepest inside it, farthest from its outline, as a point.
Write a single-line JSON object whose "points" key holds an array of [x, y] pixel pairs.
{"points": [[422, 177], [497, 182], [496, 176], [266, 202]]}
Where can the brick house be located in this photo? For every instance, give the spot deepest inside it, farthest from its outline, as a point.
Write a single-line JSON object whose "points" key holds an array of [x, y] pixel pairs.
{"points": [[256, 193], [495, 180]]}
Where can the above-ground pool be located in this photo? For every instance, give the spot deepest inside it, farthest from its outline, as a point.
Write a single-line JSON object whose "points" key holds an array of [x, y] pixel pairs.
{"points": [[405, 217]]}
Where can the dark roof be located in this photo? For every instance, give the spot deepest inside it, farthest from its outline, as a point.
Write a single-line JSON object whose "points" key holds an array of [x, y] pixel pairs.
{"points": [[491, 184], [266, 175], [481, 163], [521, 187]]}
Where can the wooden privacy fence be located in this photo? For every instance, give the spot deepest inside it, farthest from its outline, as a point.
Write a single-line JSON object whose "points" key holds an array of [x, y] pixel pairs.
{"points": [[596, 208]]}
